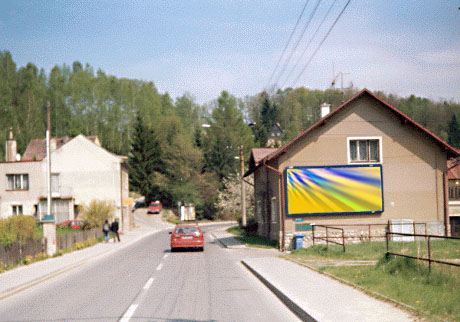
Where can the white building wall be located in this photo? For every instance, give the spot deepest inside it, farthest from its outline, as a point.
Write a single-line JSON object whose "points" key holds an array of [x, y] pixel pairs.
{"points": [[88, 171], [27, 198]]}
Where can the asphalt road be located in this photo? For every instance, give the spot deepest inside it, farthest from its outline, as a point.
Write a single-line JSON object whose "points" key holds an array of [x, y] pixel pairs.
{"points": [[146, 282]]}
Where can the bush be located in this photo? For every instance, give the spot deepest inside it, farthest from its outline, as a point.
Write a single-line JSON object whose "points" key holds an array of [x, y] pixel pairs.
{"points": [[97, 212], [18, 228]]}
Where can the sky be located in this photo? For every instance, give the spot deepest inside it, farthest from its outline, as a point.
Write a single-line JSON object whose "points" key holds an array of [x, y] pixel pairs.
{"points": [[402, 47]]}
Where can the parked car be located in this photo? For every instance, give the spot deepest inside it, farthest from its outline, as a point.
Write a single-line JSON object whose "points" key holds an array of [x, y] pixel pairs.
{"points": [[154, 207], [187, 236], [138, 204], [74, 224]]}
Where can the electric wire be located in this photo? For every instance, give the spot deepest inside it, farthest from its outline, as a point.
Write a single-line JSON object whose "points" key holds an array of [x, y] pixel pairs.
{"points": [[321, 43], [287, 44], [298, 42], [309, 43]]}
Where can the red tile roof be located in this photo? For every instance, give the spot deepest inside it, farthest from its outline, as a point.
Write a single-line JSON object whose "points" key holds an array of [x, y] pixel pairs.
{"points": [[453, 170], [259, 154], [36, 150], [451, 151]]}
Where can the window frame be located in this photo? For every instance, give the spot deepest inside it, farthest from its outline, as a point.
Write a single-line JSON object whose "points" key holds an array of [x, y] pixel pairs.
{"points": [[15, 178], [17, 210], [365, 138]]}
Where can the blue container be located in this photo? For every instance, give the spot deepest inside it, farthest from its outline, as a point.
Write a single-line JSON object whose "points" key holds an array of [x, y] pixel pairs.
{"points": [[299, 241]]}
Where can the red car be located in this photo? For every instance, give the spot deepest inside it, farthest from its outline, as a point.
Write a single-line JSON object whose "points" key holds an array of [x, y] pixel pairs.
{"points": [[74, 224], [154, 207], [187, 236]]}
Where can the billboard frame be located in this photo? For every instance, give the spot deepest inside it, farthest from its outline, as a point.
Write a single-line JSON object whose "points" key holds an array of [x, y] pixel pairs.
{"points": [[333, 213]]}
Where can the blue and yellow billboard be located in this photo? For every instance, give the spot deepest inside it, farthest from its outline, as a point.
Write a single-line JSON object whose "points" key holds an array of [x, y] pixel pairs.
{"points": [[330, 190]]}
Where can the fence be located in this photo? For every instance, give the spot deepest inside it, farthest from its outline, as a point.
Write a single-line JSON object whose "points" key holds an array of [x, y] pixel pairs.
{"points": [[444, 243], [77, 236], [328, 238], [15, 252]]}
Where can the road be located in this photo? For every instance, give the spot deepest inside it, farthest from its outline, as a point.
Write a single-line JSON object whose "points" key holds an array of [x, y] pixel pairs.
{"points": [[146, 282]]}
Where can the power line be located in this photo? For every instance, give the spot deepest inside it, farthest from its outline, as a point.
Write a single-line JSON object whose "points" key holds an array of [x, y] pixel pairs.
{"points": [[322, 41], [309, 43], [287, 44], [298, 41]]}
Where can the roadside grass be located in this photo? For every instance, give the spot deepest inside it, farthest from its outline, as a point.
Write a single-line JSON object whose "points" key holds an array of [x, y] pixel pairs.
{"points": [[440, 249], [250, 239], [433, 295]]}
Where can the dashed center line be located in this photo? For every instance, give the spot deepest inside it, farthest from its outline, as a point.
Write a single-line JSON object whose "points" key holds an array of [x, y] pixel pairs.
{"points": [[129, 313], [148, 284], [159, 267]]}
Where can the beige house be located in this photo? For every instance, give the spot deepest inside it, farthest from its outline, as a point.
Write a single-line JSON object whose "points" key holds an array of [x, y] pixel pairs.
{"points": [[453, 176], [81, 171], [407, 166]]}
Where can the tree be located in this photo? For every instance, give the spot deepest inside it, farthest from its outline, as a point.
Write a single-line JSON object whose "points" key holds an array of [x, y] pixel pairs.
{"points": [[227, 134], [453, 132], [145, 161]]}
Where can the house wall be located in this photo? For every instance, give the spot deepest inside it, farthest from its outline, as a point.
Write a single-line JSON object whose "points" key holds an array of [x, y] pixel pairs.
{"points": [[412, 164], [88, 172], [27, 198]]}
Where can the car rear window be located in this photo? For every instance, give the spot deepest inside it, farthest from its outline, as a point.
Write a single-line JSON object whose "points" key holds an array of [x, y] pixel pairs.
{"points": [[154, 205], [187, 230]]}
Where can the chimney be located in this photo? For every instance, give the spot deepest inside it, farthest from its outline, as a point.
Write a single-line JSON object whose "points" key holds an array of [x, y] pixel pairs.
{"points": [[325, 109], [10, 148], [53, 145]]}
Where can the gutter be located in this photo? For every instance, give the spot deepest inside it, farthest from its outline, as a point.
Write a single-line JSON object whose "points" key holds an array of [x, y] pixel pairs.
{"points": [[281, 205]]}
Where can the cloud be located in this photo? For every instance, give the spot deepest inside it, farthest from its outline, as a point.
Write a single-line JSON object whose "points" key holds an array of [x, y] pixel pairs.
{"points": [[448, 56]]}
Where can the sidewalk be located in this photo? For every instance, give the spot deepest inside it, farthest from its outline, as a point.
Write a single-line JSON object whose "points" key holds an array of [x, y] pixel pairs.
{"points": [[23, 277], [313, 296]]}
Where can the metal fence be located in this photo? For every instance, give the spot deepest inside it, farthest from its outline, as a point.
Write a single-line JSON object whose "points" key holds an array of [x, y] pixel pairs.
{"points": [[14, 253], [328, 238], [423, 248]]}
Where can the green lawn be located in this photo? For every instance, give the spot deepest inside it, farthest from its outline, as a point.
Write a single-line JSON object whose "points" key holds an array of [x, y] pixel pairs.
{"points": [[434, 295], [252, 240]]}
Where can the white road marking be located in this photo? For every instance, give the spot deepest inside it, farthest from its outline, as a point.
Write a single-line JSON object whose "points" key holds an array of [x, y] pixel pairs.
{"points": [[129, 313], [166, 255], [148, 284], [160, 267]]}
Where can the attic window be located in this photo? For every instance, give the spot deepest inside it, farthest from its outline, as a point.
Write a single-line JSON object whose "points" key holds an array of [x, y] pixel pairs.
{"points": [[365, 150]]}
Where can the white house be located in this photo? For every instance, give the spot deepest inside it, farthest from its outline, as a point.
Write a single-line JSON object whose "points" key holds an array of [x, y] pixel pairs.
{"points": [[81, 171]]}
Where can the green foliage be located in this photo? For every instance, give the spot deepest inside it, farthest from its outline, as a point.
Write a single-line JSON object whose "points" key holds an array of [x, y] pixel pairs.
{"points": [[18, 228], [97, 212], [453, 132]]}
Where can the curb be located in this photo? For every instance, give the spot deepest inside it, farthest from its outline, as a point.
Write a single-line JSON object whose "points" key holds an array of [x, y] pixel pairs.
{"points": [[297, 310], [219, 241], [103, 253]]}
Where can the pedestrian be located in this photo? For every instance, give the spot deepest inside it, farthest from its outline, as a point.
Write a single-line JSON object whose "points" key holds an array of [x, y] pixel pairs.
{"points": [[106, 230], [114, 229]]}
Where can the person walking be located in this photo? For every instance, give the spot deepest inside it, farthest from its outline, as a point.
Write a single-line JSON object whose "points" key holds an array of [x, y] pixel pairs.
{"points": [[106, 230], [114, 229]]}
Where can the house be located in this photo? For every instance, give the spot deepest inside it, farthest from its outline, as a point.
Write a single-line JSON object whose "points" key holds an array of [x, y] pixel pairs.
{"points": [[453, 176], [81, 171], [274, 136], [364, 163]]}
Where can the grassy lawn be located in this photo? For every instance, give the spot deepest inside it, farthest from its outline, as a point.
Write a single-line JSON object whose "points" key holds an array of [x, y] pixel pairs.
{"points": [[433, 295], [251, 239]]}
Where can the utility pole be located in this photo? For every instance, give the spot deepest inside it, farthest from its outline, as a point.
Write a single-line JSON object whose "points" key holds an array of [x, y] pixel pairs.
{"points": [[341, 82], [49, 223], [243, 191]]}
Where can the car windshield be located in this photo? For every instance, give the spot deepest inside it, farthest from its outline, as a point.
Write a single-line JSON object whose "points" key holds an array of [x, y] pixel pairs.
{"points": [[187, 230]]}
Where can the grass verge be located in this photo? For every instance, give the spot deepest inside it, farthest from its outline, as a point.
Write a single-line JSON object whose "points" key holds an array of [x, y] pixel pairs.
{"points": [[432, 295], [252, 240]]}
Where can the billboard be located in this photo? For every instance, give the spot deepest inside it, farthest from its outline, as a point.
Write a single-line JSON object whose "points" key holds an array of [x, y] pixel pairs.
{"points": [[327, 190]]}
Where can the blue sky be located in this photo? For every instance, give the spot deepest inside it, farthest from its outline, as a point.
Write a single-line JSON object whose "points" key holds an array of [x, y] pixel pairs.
{"points": [[203, 47]]}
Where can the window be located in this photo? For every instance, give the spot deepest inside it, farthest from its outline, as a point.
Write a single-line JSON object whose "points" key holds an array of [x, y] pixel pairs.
{"points": [[17, 210], [367, 150], [454, 190], [274, 208], [17, 182]]}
